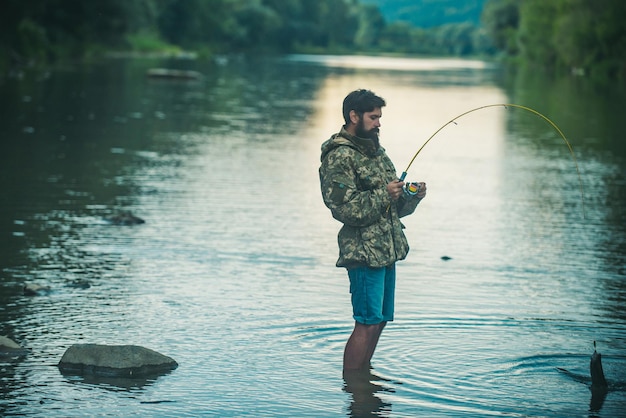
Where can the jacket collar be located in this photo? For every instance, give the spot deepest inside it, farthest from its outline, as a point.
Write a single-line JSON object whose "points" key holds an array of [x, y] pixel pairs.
{"points": [[367, 146]]}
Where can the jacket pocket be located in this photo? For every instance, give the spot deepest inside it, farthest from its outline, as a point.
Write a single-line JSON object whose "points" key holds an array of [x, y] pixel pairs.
{"points": [[377, 244], [338, 191]]}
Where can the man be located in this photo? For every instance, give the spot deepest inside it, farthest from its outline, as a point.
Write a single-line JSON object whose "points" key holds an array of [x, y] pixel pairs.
{"points": [[360, 187]]}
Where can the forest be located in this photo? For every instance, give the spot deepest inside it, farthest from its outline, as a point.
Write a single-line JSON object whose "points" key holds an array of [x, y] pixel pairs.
{"points": [[583, 37]]}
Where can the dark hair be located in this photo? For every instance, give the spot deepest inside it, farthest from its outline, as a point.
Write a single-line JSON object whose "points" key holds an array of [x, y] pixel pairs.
{"points": [[361, 101]]}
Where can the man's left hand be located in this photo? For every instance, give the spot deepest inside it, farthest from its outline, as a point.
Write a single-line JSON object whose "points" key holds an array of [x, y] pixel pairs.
{"points": [[422, 190]]}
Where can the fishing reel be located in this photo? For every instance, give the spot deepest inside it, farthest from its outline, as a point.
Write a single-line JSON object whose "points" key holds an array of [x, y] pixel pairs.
{"points": [[410, 189]]}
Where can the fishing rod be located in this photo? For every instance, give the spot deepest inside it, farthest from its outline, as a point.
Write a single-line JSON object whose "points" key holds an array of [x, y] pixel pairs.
{"points": [[506, 106]]}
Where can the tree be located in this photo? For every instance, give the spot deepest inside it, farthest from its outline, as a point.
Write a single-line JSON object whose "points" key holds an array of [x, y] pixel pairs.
{"points": [[455, 39], [536, 32], [500, 18], [371, 25], [589, 36], [396, 37]]}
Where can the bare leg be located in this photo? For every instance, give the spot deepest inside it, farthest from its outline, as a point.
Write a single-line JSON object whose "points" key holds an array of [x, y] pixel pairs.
{"points": [[361, 345], [374, 343]]}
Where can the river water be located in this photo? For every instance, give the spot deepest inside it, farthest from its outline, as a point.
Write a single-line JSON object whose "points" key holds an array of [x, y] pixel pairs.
{"points": [[511, 277]]}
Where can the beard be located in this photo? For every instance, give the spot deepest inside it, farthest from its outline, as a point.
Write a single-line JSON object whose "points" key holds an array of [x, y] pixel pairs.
{"points": [[364, 133]]}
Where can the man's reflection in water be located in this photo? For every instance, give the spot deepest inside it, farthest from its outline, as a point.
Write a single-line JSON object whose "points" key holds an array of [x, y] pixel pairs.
{"points": [[597, 400], [363, 386]]}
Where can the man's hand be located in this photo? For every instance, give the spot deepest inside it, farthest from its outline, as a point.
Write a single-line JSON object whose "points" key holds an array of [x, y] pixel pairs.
{"points": [[394, 189], [422, 190]]}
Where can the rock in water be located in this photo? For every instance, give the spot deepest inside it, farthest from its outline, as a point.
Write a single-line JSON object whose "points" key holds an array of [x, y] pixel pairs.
{"points": [[124, 218], [598, 382], [173, 74], [33, 289], [9, 348], [114, 360]]}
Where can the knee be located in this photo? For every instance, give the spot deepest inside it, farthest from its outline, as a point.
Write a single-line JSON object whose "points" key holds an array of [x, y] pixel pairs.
{"points": [[369, 329]]}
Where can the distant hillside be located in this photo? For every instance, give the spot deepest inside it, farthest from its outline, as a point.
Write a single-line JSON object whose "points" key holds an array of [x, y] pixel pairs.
{"points": [[429, 13]]}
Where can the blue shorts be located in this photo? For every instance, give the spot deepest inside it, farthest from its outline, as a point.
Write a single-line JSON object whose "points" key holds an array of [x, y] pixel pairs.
{"points": [[373, 291]]}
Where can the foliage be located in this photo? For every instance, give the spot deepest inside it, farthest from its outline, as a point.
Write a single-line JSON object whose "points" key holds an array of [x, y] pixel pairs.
{"points": [[501, 19], [585, 36], [43, 30], [371, 24], [578, 36], [145, 41]]}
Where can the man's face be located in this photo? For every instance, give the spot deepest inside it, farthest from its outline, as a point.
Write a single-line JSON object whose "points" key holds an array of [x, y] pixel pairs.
{"points": [[368, 125]]}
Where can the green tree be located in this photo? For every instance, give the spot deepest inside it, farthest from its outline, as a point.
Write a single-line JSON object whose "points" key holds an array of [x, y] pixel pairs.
{"points": [[580, 36], [500, 19], [397, 37], [536, 32], [371, 25], [49, 29], [589, 36], [455, 39]]}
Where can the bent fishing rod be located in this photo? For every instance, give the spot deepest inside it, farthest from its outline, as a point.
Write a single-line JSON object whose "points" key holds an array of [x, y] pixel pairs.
{"points": [[506, 106]]}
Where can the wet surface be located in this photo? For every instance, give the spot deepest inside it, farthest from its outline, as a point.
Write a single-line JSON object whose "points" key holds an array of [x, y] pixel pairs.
{"points": [[232, 274]]}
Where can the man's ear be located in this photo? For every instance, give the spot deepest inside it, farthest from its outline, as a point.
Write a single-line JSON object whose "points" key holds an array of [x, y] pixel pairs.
{"points": [[354, 117]]}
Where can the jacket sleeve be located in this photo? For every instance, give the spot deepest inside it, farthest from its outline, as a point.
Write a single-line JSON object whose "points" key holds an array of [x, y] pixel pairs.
{"points": [[347, 203], [406, 205]]}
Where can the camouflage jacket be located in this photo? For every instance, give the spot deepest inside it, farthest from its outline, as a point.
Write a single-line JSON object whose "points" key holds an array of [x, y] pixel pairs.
{"points": [[354, 173]]}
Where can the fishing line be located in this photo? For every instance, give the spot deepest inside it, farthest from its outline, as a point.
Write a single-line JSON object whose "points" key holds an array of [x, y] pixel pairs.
{"points": [[507, 105]]}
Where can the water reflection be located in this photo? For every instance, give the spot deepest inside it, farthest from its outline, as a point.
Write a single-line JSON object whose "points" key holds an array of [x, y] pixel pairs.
{"points": [[587, 118], [597, 401], [110, 383], [365, 389], [233, 271], [387, 63]]}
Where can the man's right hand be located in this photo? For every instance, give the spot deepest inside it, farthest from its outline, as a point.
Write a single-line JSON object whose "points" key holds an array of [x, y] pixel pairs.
{"points": [[394, 189]]}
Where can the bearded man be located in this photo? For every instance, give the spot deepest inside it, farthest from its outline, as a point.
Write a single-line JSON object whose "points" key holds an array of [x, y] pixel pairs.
{"points": [[360, 187]]}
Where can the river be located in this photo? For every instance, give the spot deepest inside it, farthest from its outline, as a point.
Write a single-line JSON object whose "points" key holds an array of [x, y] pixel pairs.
{"points": [[517, 262]]}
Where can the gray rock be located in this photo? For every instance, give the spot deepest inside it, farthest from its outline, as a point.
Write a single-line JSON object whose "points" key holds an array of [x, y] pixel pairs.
{"points": [[79, 284], [173, 74], [114, 360], [34, 289], [124, 218], [9, 348]]}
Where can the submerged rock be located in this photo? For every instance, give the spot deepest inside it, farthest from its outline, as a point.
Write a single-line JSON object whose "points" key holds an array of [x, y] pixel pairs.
{"points": [[9, 348], [171, 74], [114, 360], [33, 289], [124, 218], [79, 284]]}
